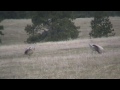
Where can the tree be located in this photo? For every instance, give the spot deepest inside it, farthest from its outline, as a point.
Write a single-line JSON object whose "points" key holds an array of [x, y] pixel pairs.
{"points": [[1, 28], [51, 26], [101, 25]]}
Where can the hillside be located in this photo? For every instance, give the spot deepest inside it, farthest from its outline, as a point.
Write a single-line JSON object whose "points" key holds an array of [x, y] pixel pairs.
{"points": [[72, 59], [15, 33], [62, 60]]}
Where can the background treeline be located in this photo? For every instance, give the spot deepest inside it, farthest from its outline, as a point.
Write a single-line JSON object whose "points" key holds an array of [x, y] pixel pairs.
{"points": [[28, 14], [82, 14], [58, 25]]}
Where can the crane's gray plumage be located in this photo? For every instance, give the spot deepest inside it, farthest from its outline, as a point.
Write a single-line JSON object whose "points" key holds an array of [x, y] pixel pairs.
{"points": [[96, 47], [29, 51]]}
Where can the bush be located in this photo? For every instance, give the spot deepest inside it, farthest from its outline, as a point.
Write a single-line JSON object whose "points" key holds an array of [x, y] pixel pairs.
{"points": [[1, 27], [56, 26], [101, 26]]}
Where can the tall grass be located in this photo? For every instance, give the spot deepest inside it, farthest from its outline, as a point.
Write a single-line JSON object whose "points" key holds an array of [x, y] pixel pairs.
{"points": [[62, 60], [59, 60]]}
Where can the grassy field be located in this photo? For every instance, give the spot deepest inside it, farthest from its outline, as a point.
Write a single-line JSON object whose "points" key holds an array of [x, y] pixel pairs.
{"points": [[59, 60], [14, 31]]}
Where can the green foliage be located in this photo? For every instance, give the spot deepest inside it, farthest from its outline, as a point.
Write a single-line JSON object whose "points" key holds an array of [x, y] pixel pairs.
{"points": [[1, 33], [30, 14], [30, 29], [62, 29], [1, 28], [14, 14], [101, 26], [33, 39], [43, 17], [55, 26]]}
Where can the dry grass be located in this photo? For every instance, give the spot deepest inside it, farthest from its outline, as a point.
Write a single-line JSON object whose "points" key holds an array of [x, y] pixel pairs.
{"points": [[14, 31], [62, 60], [59, 60]]}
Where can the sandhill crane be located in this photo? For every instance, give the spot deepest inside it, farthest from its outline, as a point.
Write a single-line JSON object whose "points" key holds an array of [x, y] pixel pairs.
{"points": [[29, 51], [96, 47]]}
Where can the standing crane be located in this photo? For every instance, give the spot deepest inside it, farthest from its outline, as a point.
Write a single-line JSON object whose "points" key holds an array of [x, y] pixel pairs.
{"points": [[96, 48]]}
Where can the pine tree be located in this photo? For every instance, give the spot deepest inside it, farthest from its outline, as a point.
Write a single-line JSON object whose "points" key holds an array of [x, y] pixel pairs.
{"points": [[51, 26], [101, 25], [1, 28]]}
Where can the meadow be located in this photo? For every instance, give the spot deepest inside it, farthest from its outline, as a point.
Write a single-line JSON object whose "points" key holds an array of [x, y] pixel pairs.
{"points": [[72, 59]]}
